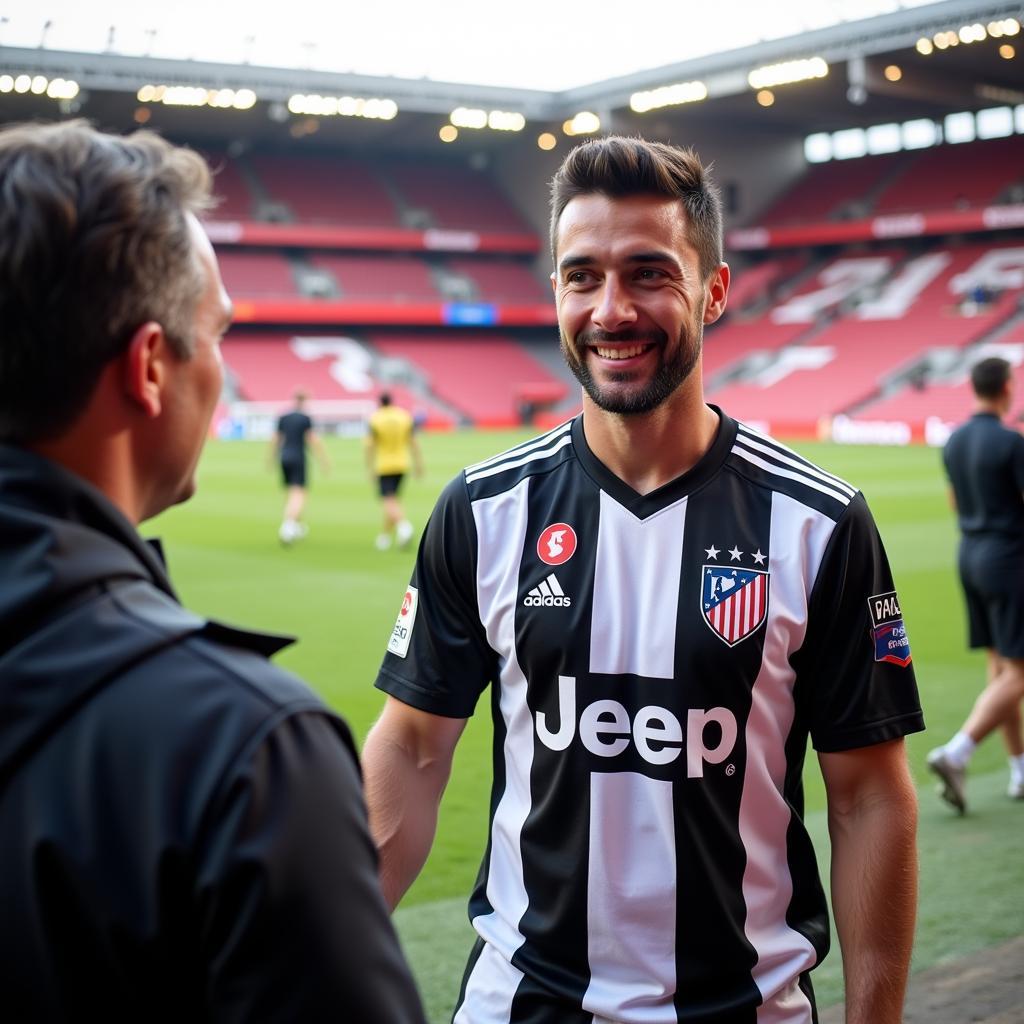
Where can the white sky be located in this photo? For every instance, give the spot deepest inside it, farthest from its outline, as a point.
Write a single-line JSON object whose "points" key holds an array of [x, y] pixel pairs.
{"points": [[536, 44]]}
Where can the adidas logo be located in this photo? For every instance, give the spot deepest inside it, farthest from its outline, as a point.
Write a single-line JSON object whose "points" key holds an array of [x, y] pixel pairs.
{"points": [[547, 594]]}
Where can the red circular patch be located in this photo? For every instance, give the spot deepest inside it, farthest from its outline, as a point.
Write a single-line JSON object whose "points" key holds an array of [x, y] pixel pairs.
{"points": [[556, 544], [406, 603]]}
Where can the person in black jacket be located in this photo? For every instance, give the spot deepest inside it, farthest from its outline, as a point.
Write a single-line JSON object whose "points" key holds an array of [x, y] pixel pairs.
{"points": [[183, 829]]}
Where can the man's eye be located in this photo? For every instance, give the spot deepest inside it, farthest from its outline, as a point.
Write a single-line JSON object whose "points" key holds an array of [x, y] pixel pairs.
{"points": [[649, 274], [578, 277]]}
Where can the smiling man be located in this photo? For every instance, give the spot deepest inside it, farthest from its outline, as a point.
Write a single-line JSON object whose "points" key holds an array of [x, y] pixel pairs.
{"points": [[667, 605]]}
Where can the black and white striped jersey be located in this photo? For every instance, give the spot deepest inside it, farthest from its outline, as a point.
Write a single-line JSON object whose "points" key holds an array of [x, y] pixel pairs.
{"points": [[657, 663]]}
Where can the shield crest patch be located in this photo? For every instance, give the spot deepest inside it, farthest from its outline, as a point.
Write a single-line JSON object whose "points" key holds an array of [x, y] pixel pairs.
{"points": [[733, 601]]}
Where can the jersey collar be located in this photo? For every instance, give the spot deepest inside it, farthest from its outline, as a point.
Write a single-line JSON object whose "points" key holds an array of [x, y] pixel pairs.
{"points": [[644, 505]]}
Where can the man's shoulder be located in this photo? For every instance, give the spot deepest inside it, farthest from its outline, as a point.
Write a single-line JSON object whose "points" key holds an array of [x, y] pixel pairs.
{"points": [[768, 463], [189, 651], [502, 472]]}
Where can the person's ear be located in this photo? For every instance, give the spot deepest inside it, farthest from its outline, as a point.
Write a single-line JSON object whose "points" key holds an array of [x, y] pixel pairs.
{"points": [[145, 368], [717, 293]]}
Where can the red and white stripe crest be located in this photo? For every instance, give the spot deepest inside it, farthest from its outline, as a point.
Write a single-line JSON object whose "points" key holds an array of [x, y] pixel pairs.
{"points": [[734, 602]]}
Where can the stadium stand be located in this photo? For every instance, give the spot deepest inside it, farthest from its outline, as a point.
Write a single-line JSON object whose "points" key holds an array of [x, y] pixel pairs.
{"points": [[235, 200], [755, 282], [839, 189], [501, 280], [325, 190], [487, 391], [729, 343], [268, 367], [887, 327], [955, 177], [455, 197], [949, 399], [256, 273], [394, 278]]}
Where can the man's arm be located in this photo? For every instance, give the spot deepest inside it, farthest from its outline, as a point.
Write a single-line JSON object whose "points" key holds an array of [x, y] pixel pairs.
{"points": [[407, 759], [274, 451], [320, 450], [370, 450], [872, 819], [417, 455], [293, 926]]}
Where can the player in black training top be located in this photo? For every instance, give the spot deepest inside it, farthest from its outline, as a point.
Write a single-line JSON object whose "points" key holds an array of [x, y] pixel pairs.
{"points": [[665, 605], [985, 463], [294, 432]]}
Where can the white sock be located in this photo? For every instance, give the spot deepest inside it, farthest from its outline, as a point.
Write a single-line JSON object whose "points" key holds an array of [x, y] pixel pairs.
{"points": [[959, 749], [1017, 768]]}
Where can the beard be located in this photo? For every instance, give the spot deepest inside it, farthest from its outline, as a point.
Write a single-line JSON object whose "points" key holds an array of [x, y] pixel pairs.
{"points": [[673, 368]]}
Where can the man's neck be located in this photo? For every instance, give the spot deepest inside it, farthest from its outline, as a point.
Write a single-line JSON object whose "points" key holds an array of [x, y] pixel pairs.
{"points": [[992, 407], [648, 450]]}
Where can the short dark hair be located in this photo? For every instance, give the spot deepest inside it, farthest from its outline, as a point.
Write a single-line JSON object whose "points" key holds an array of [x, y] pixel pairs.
{"points": [[94, 242], [617, 167], [385, 398], [989, 377]]}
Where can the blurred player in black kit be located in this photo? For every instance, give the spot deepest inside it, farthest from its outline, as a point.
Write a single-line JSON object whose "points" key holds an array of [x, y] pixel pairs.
{"points": [[294, 433], [984, 460]]}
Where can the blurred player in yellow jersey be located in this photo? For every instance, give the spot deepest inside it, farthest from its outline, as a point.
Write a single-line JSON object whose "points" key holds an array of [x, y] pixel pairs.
{"points": [[391, 447]]}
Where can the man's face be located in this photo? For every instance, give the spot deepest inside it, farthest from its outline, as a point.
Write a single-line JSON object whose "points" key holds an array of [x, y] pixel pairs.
{"points": [[631, 302], [194, 384]]}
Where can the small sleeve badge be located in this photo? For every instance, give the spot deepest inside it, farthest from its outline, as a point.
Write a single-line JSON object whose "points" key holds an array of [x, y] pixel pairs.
{"points": [[887, 629]]}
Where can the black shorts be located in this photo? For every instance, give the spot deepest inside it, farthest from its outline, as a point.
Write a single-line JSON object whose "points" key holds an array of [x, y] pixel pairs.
{"points": [[994, 595], [293, 472], [389, 483]]}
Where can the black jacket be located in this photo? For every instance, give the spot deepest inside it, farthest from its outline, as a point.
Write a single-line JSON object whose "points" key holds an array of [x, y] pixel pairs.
{"points": [[182, 829]]}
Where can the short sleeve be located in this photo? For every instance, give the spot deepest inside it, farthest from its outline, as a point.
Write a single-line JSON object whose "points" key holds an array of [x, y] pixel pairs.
{"points": [[438, 658], [855, 680]]}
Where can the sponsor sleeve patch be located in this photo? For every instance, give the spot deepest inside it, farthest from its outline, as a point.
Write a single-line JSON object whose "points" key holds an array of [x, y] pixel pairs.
{"points": [[402, 633], [887, 629]]}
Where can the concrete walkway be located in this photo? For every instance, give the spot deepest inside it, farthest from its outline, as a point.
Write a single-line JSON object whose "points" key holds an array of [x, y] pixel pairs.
{"points": [[984, 988]]}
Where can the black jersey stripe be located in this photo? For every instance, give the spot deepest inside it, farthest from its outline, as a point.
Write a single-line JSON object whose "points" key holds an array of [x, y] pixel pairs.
{"points": [[789, 474], [769, 446], [520, 449]]}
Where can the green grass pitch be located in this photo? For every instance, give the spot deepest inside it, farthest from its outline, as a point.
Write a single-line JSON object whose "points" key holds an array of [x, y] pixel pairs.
{"points": [[340, 596]]}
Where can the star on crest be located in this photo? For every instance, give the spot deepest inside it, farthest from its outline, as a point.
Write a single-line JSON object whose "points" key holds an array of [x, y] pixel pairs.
{"points": [[734, 553], [758, 557], [711, 552]]}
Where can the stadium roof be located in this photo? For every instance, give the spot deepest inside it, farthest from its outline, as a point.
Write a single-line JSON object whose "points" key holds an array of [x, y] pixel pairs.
{"points": [[856, 90], [532, 44]]}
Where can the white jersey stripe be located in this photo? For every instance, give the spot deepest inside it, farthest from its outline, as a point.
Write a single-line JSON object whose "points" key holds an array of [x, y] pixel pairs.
{"points": [[765, 816], [521, 449], [631, 901], [524, 460], [790, 475], [636, 591], [501, 528], [788, 1006], [490, 989], [790, 457]]}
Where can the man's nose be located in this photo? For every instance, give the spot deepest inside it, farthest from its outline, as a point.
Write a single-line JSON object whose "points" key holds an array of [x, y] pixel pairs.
{"points": [[615, 308]]}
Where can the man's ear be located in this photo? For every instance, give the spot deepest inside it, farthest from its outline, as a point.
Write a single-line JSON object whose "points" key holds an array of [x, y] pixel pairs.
{"points": [[717, 293], [145, 368]]}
